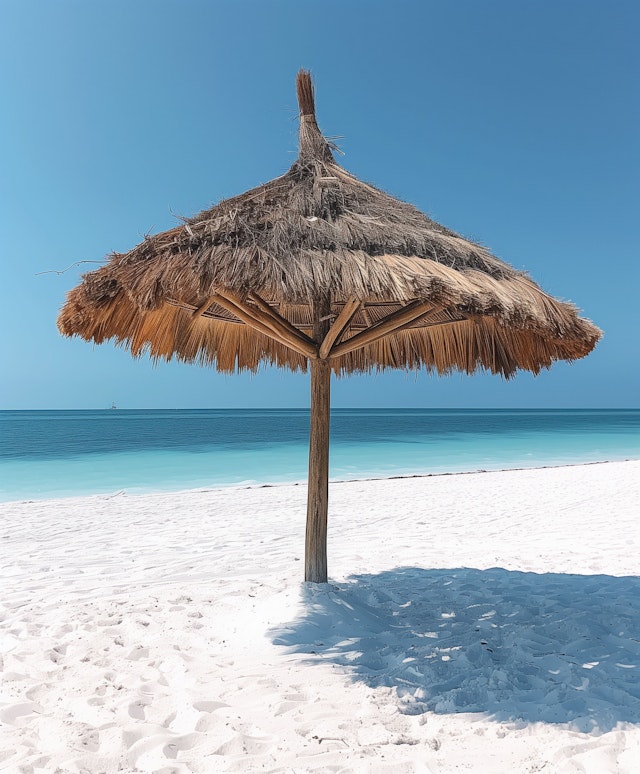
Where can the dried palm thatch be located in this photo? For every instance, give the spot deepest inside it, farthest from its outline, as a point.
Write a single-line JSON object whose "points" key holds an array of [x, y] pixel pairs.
{"points": [[317, 235], [317, 267]]}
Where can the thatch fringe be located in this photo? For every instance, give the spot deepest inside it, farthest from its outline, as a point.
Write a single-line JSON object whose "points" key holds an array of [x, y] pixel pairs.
{"points": [[446, 345]]}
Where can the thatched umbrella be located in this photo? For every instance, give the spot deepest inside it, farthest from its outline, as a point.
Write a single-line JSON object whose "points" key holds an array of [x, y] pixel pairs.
{"points": [[318, 270]]}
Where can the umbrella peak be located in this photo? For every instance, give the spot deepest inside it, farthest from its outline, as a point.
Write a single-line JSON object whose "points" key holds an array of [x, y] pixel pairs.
{"points": [[312, 145], [306, 100]]}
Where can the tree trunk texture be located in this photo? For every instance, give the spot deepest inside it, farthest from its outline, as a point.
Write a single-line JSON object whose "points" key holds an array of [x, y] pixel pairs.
{"points": [[315, 569]]}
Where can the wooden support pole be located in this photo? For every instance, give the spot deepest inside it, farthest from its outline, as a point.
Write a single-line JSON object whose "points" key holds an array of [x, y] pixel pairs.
{"points": [[318, 492], [315, 567]]}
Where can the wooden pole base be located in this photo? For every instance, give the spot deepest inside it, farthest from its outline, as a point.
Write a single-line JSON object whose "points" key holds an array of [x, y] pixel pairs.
{"points": [[315, 568]]}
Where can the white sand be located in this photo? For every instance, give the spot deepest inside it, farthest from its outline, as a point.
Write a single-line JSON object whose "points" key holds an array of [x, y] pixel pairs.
{"points": [[485, 622]]}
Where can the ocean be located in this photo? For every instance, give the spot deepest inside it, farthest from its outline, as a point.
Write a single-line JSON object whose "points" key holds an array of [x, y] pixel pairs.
{"points": [[47, 454]]}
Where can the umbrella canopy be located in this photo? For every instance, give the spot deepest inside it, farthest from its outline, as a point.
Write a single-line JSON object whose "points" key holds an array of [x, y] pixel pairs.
{"points": [[318, 268]]}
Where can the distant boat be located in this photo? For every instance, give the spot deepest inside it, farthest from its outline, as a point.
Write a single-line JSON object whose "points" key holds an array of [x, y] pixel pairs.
{"points": [[113, 407]]}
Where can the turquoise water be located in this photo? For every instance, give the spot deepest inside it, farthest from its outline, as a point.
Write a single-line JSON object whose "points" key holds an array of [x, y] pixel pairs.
{"points": [[64, 453]]}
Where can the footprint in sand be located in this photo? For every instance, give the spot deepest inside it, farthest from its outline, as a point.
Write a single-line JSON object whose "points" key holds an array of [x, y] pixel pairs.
{"points": [[287, 706], [184, 720], [138, 652], [152, 752], [18, 714], [253, 742], [90, 739], [137, 710], [209, 706]]}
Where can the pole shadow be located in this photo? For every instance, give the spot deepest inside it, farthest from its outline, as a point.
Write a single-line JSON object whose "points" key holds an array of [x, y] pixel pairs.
{"points": [[514, 645]]}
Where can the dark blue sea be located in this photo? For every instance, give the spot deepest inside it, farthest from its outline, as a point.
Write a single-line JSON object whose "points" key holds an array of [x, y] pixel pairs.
{"points": [[47, 454]]}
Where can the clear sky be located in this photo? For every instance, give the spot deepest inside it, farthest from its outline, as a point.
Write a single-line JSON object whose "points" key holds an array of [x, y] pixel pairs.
{"points": [[516, 124]]}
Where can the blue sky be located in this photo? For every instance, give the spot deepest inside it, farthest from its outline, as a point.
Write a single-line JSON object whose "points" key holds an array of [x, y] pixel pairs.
{"points": [[515, 124]]}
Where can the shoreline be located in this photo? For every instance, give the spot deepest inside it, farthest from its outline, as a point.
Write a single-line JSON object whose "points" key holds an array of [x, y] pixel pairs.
{"points": [[302, 482]]}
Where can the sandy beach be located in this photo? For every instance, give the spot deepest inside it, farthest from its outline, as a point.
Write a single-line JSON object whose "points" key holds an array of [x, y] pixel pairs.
{"points": [[483, 622]]}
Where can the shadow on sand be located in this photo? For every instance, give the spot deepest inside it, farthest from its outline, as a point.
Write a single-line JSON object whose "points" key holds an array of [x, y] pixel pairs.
{"points": [[514, 645]]}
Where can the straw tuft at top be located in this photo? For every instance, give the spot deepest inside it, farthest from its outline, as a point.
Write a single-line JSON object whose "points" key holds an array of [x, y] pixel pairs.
{"points": [[313, 146], [304, 87]]}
